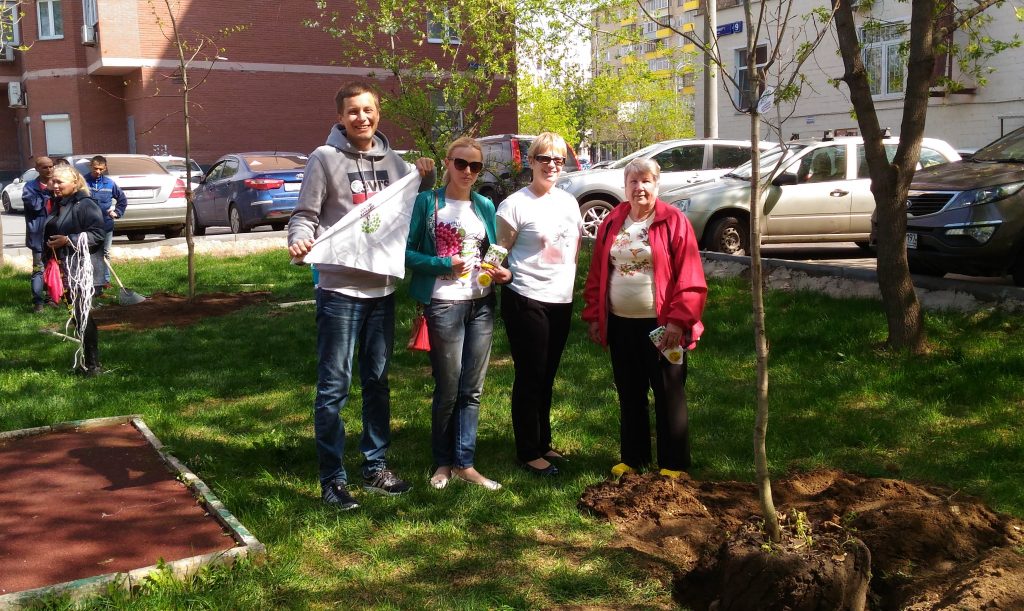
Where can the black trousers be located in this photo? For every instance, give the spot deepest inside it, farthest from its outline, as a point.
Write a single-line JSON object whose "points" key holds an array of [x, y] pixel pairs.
{"points": [[537, 332], [637, 367]]}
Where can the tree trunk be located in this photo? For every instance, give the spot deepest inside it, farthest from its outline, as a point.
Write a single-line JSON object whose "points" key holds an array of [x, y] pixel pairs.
{"points": [[764, 483], [189, 202], [890, 182]]}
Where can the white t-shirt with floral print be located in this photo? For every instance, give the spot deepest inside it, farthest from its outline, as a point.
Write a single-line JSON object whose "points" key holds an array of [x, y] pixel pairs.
{"points": [[631, 286], [459, 231]]}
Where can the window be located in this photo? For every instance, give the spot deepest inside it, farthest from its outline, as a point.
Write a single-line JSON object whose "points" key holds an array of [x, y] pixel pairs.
{"points": [[825, 164], [655, 65], [884, 58], [447, 118], [9, 18], [51, 19], [89, 12], [681, 159], [58, 134], [743, 95], [724, 156], [440, 29]]}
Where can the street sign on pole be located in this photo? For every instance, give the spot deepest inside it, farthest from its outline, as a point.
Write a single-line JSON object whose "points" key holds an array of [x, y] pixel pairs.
{"points": [[734, 27]]}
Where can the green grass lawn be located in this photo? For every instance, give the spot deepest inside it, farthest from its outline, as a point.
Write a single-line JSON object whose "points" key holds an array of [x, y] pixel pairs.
{"points": [[232, 397]]}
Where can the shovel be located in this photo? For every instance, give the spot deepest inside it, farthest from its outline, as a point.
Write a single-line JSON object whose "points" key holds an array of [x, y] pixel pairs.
{"points": [[125, 296]]}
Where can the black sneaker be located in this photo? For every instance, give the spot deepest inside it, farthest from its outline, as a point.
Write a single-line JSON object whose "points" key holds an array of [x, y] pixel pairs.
{"points": [[336, 495], [383, 481], [38, 308]]}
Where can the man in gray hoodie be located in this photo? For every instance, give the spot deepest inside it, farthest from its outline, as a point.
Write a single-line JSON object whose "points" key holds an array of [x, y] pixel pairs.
{"points": [[351, 305]]}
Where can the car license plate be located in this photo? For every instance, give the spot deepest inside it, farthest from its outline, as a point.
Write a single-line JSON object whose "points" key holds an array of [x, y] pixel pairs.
{"points": [[292, 186], [911, 240], [140, 193]]}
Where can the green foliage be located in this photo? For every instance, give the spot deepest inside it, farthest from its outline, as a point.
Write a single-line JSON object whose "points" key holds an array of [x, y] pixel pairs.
{"points": [[636, 106], [545, 105]]}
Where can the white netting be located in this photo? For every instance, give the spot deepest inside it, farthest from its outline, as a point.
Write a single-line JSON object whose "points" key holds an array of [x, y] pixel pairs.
{"points": [[80, 292]]}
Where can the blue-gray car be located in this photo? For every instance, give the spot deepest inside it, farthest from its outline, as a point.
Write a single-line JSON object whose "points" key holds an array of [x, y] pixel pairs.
{"points": [[246, 190]]}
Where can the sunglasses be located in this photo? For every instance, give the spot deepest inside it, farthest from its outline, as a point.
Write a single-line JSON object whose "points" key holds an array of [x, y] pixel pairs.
{"points": [[462, 164], [546, 159]]}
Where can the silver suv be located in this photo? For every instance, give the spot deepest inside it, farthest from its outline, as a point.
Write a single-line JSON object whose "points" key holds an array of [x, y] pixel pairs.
{"points": [[822, 194], [682, 162]]}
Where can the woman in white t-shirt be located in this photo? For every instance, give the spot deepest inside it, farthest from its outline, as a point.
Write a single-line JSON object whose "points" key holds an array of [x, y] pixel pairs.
{"points": [[449, 231], [541, 227]]}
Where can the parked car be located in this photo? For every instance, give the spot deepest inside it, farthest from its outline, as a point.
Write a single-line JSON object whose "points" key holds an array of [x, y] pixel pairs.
{"points": [[177, 167], [12, 193], [505, 167], [822, 194], [156, 199], [245, 190], [968, 218], [682, 162]]}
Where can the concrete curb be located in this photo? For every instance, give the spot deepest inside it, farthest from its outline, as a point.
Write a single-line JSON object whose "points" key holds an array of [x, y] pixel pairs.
{"points": [[981, 292]]}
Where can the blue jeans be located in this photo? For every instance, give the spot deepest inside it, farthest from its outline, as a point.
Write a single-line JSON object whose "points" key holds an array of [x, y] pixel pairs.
{"points": [[108, 242], [460, 345], [341, 321], [39, 294]]}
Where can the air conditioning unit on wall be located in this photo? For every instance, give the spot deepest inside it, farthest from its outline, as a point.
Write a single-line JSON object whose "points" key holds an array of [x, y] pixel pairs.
{"points": [[7, 53], [88, 35], [15, 95]]}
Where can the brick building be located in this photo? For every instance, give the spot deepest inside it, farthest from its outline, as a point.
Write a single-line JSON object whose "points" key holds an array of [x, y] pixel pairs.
{"points": [[102, 76]]}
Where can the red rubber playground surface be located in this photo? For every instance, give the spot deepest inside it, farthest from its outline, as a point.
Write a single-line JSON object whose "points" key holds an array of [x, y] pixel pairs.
{"points": [[90, 502]]}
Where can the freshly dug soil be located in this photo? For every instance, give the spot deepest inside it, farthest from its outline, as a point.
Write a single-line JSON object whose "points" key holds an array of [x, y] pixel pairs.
{"points": [[930, 548], [162, 309]]}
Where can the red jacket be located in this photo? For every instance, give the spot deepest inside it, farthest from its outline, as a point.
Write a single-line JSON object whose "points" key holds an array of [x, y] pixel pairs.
{"points": [[679, 286]]}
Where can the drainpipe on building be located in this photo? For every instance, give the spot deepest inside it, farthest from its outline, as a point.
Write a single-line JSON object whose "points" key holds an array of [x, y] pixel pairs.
{"points": [[711, 70]]}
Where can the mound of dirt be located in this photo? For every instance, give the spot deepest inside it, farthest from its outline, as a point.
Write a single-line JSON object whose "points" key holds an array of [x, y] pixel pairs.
{"points": [[930, 548], [162, 309]]}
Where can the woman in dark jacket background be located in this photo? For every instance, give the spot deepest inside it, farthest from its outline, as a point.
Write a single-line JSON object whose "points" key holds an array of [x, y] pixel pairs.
{"points": [[76, 214]]}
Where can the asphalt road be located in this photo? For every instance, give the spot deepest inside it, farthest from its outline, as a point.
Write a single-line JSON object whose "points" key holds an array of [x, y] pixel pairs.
{"points": [[846, 254], [14, 233]]}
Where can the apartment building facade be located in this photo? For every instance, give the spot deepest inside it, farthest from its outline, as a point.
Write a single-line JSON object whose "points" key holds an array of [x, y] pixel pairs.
{"points": [[103, 76], [967, 118]]}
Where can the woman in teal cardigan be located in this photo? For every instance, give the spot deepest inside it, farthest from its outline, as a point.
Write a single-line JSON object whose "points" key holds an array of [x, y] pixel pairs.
{"points": [[450, 231]]}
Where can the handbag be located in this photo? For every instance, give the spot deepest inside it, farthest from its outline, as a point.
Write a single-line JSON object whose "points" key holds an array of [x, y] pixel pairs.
{"points": [[418, 337], [52, 278]]}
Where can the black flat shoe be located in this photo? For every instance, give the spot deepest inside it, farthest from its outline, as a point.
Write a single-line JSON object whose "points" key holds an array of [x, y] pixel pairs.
{"points": [[556, 455], [547, 471]]}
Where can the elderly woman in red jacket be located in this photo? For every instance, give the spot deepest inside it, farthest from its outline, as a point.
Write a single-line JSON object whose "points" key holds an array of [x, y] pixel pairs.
{"points": [[646, 276]]}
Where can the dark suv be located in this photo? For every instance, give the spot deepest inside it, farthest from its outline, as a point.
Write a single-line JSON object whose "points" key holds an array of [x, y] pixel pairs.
{"points": [[505, 167], [968, 217]]}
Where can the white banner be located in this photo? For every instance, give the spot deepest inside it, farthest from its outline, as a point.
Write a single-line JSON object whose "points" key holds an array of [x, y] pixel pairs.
{"points": [[371, 237]]}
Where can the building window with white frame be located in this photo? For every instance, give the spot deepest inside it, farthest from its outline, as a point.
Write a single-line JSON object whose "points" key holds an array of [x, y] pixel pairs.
{"points": [[9, 36], [449, 118], [440, 29], [51, 19], [743, 94], [884, 58]]}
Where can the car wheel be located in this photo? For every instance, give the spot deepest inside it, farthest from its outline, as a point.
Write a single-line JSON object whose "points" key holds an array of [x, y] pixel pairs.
{"points": [[197, 227], [136, 236], [593, 213], [278, 226], [173, 233], [865, 246], [7, 204], [729, 235], [235, 220]]}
